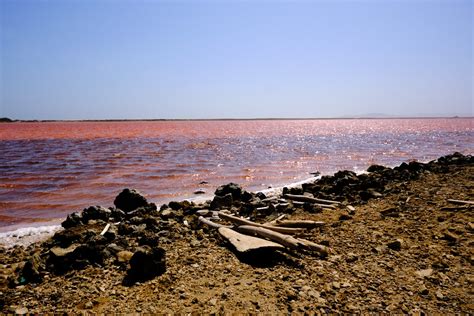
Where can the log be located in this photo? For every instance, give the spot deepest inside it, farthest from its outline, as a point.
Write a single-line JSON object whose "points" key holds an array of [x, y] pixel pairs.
{"points": [[285, 240], [242, 221], [210, 223], [303, 198], [461, 202], [297, 223], [244, 243]]}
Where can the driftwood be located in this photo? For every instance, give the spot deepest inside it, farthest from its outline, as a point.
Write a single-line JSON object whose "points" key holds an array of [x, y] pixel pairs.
{"points": [[297, 223], [243, 243], [285, 240], [242, 221], [210, 223], [270, 223], [106, 228], [455, 208], [461, 202], [315, 201]]}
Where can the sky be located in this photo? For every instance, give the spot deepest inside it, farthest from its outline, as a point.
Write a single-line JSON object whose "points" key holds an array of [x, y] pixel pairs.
{"points": [[107, 59]]}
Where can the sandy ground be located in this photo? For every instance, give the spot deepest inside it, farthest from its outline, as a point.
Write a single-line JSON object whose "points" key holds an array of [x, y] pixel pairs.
{"points": [[407, 251]]}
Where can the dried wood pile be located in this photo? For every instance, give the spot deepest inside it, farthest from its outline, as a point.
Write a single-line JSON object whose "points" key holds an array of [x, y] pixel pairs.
{"points": [[246, 235]]}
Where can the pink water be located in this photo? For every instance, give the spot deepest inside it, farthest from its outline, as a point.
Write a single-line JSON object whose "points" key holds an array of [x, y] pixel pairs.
{"points": [[48, 170]]}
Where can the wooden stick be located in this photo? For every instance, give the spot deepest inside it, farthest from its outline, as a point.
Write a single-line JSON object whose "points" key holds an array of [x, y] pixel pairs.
{"points": [[303, 198], [270, 223], [106, 228], [285, 240], [461, 202], [243, 243], [297, 223], [242, 221], [210, 223]]}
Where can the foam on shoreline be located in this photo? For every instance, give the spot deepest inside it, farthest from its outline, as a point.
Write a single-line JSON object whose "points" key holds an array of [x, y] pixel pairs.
{"points": [[25, 236]]}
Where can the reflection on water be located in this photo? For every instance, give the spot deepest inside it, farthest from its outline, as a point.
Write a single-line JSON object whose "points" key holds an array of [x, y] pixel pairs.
{"points": [[50, 169]]}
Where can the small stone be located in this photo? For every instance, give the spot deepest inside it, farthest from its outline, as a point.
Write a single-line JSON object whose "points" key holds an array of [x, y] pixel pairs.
{"points": [[395, 245], [424, 273], [124, 256], [21, 311], [200, 191], [89, 305], [439, 295], [345, 217], [423, 290], [213, 301], [450, 237]]}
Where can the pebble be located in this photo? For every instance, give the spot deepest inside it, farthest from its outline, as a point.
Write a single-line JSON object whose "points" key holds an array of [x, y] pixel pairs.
{"points": [[424, 273], [89, 305], [21, 311], [395, 245]]}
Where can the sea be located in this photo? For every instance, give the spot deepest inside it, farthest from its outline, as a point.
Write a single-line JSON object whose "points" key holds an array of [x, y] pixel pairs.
{"points": [[51, 169]]}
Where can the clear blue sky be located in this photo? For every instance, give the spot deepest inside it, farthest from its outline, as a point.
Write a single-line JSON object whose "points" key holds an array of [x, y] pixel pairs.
{"points": [[74, 59]]}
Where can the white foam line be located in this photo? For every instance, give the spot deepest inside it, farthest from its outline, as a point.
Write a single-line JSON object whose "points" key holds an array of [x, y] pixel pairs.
{"points": [[25, 236]]}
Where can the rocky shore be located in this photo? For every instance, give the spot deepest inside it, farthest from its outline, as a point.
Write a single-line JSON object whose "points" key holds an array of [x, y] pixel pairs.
{"points": [[401, 241]]}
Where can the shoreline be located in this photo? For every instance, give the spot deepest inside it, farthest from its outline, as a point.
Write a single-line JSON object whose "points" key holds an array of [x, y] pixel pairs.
{"points": [[398, 245]]}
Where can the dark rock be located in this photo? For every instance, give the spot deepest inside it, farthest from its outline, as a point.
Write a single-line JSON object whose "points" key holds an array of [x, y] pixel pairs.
{"points": [[345, 217], [376, 168], [149, 239], [116, 214], [147, 263], [395, 245], [65, 238], [175, 205], [390, 212], [247, 196], [199, 191], [72, 220], [129, 200], [31, 272], [260, 195], [95, 213], [450, 237], [220, 202], [234, 189]]}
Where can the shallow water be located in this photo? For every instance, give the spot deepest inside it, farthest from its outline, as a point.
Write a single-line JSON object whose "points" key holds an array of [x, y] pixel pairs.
{"points": [[48, 170]]}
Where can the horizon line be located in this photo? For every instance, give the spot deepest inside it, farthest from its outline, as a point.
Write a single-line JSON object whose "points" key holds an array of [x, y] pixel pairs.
{"points": [[6, 119]]}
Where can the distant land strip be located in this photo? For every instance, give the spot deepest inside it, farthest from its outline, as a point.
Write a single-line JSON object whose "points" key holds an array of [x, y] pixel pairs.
{"points": [[9, 120]]}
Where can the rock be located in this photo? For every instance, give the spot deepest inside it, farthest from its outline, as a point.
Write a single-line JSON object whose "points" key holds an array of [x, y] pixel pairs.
{"points": [[345, 217], [61, 252], [424, 273], [439, 295], [147, 263], [452, 238], [213, 301], [199, 191], [124, 256], [395, 245], [220, 202], [129, 200], [95, 213], [423, 290], [21, 311], [376, 168], [72, 220], [234, 189], [167, 213], [89, 305], [31, 270], [390, 212]]}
